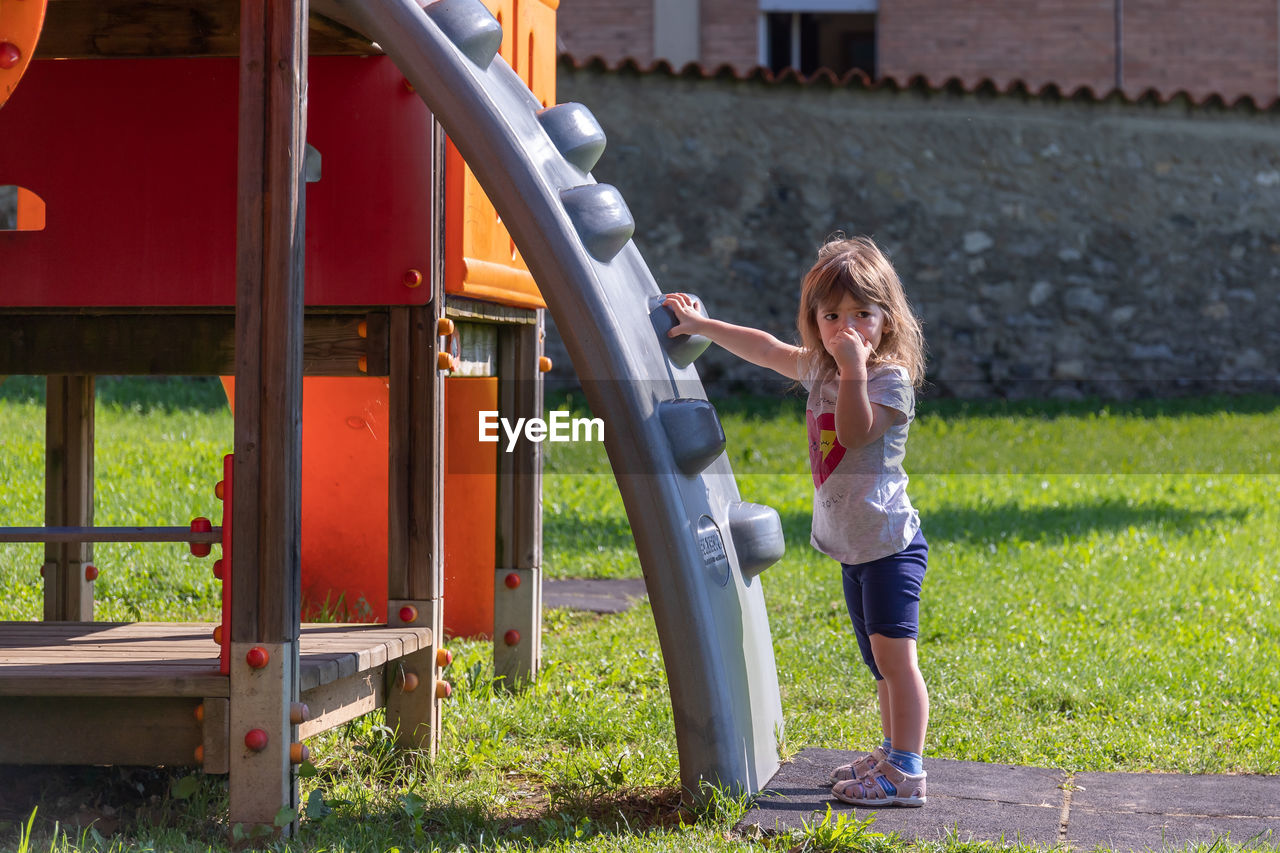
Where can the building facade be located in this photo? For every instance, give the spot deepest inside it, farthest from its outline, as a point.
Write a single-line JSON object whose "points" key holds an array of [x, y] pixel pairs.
{"points": [[1229, 48]]}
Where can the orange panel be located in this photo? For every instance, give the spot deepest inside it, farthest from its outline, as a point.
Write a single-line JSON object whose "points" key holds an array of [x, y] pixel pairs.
{"points": [[470, 507], [481, 259], [20, 25], [344, 497]]}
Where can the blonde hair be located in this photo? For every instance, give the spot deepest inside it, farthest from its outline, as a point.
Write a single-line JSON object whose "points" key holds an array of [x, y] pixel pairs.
{"points": [[856, 266]]}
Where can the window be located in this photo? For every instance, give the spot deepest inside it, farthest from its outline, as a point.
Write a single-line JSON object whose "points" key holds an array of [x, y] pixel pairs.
{"points": [[806, 35]]}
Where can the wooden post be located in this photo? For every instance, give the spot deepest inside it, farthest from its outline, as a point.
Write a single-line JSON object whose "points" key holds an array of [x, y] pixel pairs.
{"points": [[270, 240], [415, 481], [517, 587], [415, 568], [68, 466]]}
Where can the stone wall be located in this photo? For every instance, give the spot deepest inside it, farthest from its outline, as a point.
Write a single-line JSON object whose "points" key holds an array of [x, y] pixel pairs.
{"points": [[1053, 247]]}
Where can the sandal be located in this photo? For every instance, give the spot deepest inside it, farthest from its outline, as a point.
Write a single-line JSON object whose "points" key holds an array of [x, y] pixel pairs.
{"points": [[885, 785], [859, 768]]}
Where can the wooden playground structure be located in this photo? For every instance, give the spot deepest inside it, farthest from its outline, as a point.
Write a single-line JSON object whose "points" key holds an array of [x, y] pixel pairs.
{"points": [[164, 156]]}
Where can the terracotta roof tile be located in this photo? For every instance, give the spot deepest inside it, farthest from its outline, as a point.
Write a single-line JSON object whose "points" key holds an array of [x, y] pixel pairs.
{"points": [[919, 82]]}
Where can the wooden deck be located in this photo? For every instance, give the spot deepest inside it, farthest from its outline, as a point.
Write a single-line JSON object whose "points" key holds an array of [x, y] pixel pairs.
{"points": [[173, 659], [126, 693]]}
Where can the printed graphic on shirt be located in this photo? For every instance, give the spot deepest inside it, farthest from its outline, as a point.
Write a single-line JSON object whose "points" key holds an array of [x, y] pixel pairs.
{"points": [[825, 452]]}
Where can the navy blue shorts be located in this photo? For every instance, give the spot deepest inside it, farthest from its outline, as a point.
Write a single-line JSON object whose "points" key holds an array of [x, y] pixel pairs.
{"points": [[883, 596]]}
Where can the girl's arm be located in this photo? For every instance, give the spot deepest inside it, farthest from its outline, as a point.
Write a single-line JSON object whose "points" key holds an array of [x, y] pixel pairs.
{"points": [[858, 420], [753, 345]]}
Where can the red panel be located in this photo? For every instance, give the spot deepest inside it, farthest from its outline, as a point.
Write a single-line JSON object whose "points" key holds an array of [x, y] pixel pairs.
{"points": [[136, 163]]}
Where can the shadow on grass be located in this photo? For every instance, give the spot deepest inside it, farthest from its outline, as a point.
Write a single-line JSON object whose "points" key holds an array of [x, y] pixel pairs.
{"points": [[1005, 522], [136, 393], [574, 529], [536, 820], [1156, 407]]}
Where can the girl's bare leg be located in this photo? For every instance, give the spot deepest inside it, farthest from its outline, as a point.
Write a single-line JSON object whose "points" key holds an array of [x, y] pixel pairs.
{"points": [[904, 699]]}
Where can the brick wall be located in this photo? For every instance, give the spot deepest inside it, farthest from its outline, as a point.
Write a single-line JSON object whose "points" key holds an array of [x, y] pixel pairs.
{"points": [[730, 34], [1228, 47], [1068, 42], [612, 29]]}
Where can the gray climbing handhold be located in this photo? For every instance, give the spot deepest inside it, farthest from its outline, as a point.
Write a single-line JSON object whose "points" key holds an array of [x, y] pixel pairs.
{"points": [[695, 433], [601, 218], [470, 26], [756, 531], [576, 133], [683, 350]]}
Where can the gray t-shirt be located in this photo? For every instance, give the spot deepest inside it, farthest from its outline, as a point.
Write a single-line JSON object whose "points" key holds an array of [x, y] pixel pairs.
{"points": [[860, 507]]}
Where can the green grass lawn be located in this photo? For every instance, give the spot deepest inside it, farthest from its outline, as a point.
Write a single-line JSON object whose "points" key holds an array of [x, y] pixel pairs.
{"points": [[1101, 596]]}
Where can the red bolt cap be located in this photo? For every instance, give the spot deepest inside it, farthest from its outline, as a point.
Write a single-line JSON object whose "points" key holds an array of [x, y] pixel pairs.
{"points": [[257, 657], [217, 568], [91, 573], [9, 55], [408, 613], [220, 489], [512, 580], [412, 278], [256, 739], [201, 525], [511, 638]]}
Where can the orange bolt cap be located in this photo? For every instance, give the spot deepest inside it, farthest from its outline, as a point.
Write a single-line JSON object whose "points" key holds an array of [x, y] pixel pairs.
{"points": [[256, 739], [408, 613], [443, 690], [257, 657], [444, 657], [407, 681], [444, 361], [91, 573], [217, 634], [362, 329], [298, 753], [200, 754], [362, 364], [512, 580], [299, 713], [444, 326], [511, 638], [544, 364], [412, 278], [217, 490], [200, 713]]}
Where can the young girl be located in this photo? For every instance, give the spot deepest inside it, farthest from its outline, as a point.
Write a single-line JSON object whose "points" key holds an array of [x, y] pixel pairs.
{"points": [[861, 357]]}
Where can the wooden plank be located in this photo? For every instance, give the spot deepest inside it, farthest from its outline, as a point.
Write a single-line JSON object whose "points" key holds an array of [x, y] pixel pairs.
{"points": [[124, 28], [215, 734], [338, 702], [69, 400], [140, 681], [162, 342], [99, 730], [519, 543]]}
